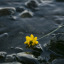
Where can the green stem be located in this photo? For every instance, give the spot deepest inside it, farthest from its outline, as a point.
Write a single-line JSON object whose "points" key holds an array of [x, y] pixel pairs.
{"points": [[51, 32]]}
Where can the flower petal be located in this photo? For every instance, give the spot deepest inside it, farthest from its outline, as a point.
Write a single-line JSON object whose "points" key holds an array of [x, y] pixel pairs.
{"points": [[31, 36], [27, 38], [25, 42], [36, 42], [31, 40], [35, 38]]}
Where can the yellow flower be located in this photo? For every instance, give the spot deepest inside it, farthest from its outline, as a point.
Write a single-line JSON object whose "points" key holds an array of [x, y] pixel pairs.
{"points": [[31, 41]]}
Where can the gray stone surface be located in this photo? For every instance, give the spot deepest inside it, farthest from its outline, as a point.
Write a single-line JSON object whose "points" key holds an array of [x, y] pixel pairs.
{"points": [[26, 14]]}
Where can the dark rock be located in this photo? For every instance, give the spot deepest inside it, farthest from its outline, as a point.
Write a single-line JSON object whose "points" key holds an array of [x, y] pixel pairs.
{"points": [[37, 50], [20, 9], [56, 44], [10, 58], [7, 11], [26, 58], [2, 56], [58, 61], [26, 14], [31, 4]]}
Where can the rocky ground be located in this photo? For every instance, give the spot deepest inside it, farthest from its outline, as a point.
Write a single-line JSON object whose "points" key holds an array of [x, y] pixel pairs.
{"points": [[19, 19]]}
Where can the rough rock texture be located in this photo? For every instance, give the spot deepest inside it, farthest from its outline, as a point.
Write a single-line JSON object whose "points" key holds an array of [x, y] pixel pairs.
{"points": [[57, 44]]}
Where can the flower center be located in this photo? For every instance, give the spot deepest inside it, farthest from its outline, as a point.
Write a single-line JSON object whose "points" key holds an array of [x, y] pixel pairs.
{"points": [[31, 42]]}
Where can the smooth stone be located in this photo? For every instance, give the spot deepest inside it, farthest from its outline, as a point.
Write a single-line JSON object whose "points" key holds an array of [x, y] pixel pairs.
{"points": [[16, 49], [10, 58], [31, 4], [7, 11], [58, 61], [20, 9], [26, 14], [26, 58], [19, 49]]}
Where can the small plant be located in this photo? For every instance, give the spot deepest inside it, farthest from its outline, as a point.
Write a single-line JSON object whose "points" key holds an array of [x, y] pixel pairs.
{"points": [[31, 41]]}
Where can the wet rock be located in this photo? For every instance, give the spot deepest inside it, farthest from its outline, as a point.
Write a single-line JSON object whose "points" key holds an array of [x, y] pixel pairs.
{"points": [[56, 44], [16, 49], [58, 61], [31, 4], [20, 9], [2, 56], [26, 58], [7, 11], [37, 50], [10, 58], [11, 63], [19, 49], [26, 14]]}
